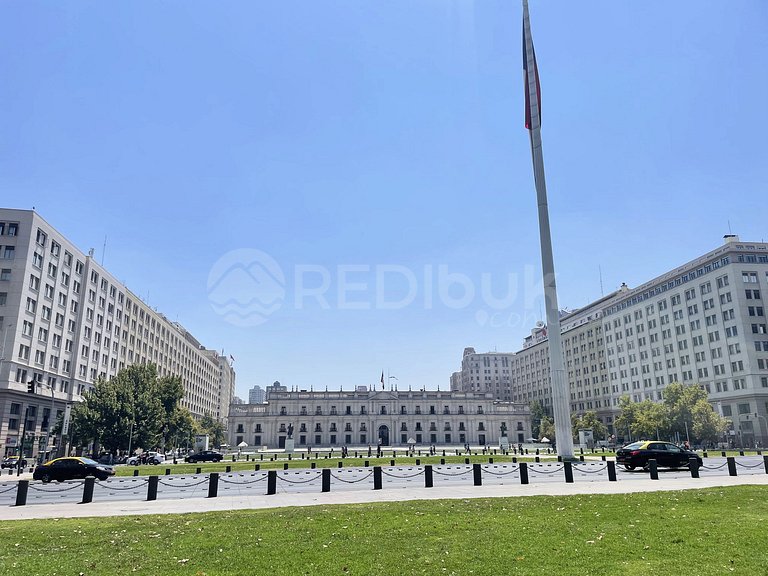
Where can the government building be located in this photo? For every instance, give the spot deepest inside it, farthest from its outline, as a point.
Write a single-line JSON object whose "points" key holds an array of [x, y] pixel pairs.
{"points": [[702, 323], [66, 321], [377, 417]]}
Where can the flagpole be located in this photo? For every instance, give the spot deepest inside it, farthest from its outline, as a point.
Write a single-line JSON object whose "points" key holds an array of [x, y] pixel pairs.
{"points": [[559, 381]]}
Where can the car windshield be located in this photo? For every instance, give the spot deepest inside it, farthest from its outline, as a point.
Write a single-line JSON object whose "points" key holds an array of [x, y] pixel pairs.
{"points": [[89, 461], [634, 446]]}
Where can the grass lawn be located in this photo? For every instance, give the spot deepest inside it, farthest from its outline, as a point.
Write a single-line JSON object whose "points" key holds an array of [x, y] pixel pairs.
{"points": [[696, 532]]}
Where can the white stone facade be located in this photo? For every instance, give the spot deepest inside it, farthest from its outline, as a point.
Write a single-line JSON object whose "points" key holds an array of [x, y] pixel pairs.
{"points": [[371, 417]]}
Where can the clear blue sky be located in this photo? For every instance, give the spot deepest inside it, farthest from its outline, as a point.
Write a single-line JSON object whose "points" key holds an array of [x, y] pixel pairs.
{"points": [[348, 133]]}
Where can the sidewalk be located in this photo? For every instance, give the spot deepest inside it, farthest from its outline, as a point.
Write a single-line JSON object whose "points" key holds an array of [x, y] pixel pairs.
{"points": [[190, 505]]}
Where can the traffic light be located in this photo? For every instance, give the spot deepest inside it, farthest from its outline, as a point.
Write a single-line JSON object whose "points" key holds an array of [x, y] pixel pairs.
{"points": [[31, 387]]}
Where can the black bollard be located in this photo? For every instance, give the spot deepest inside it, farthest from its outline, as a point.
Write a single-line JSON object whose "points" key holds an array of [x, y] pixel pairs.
{"points": [[367, 463], [152, 488], [731, 466], [722, 453], [325, 475], [289, 457], [523, 473], [466, 460], [537, 451], [477, 473], [611, 471], [442, 461], [653, 469], [341, 464], [229, 469], [704, 454], [136, 472], [765, 463], [537, 459], [88, 489], [568, 467], [167, 471], [514, 459], [21, 492], [213, 484], [256, 467], [377, 477], [741, 452], [581, 458], [490, 460], [233, 457], [313, 465], [285, 466], [428, 482], [261, 456], [199, 470], [443, 452], [271, 482], [391, 462], [418, 461], [693, 465], [602, 457]]}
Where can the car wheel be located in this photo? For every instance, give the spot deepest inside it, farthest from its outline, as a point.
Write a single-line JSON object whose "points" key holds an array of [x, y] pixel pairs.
{"points": [[45, 478], [629, 467], [646, 466]]}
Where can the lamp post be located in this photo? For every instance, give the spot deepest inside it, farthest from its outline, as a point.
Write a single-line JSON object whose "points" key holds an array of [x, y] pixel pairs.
{"points": [[50, 420]]}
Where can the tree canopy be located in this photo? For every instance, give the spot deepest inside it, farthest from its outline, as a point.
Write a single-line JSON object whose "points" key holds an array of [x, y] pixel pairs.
{"points": [[136, 407], [684, 413]]}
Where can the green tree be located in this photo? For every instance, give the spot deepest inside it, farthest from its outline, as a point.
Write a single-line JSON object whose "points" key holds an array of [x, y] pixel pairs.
{"points": [[546, 429], [538, 413], [130, 405], [214, 429], [586, 421]]}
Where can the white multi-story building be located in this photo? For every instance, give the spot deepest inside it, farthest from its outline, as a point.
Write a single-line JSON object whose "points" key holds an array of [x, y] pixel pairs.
{"points": [[702, 323], [65, 321], [256, 395], [389, 418]]}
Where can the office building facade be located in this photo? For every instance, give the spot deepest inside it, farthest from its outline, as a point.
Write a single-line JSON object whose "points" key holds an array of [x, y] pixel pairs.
{"points": [[66, 321], [703, 323]]}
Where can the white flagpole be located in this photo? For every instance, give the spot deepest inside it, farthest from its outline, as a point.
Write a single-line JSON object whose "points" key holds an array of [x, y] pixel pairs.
{"points": [[559, 380]]}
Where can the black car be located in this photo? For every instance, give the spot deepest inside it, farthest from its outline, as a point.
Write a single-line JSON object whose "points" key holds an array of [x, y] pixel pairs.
{"points": [[205, 456], [13, 462], [666, 454], [71, 468]]}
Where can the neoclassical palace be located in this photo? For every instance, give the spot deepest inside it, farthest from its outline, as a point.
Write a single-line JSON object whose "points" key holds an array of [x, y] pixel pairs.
{"points": [[373, 417]]}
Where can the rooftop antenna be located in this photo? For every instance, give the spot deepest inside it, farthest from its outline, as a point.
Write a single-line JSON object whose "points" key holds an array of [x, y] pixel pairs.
{"points": [[729, 226], [600, 271], [104, 250]]}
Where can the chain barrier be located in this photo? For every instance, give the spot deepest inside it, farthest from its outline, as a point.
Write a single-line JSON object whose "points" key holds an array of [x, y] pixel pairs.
{"points": [[577, 469], [340, 479], [436, 471], [71, 487], [10, 487], [246, 483], [419, 473], [492, 473], [172, 485], [758, 465], [723, 465], [111, 487], [532, 469], [284, 479]]}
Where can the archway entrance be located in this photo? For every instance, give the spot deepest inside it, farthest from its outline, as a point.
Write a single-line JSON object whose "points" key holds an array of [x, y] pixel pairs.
{"points": [[383, 435]]}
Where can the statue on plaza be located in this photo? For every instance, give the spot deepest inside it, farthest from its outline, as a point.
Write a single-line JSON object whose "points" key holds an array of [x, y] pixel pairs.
{"points": [[290, 430], [503, 429]]}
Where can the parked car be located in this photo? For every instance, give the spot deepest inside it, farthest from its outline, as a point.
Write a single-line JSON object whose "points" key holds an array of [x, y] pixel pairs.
{"points": [[205, 456], [13, 462], [666, 454], [71, 468], [152, 458]]}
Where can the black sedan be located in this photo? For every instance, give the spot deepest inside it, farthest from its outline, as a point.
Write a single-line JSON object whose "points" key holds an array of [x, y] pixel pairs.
{"points": [[666, 454], [205, 456], [71, 468]]}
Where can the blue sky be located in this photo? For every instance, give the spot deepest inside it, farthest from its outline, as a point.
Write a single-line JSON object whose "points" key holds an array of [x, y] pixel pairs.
{"points": [[337, 138]]}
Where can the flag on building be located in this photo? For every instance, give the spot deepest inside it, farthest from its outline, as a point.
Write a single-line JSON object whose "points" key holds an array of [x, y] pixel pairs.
{"points": [[382, 380], [533, 69]]}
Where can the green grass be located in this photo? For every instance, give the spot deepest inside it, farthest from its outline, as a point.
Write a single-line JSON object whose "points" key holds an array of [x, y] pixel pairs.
{"points": [[322, 462], [697, 532]]}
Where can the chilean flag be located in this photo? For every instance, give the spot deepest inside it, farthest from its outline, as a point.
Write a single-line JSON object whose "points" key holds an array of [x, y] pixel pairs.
{"points": [[526, 36]]}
